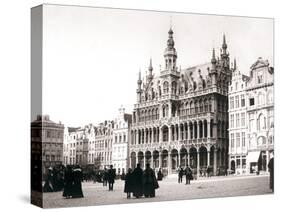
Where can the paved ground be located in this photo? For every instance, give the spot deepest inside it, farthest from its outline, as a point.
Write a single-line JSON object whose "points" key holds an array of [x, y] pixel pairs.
{"points": [[96, 194]]}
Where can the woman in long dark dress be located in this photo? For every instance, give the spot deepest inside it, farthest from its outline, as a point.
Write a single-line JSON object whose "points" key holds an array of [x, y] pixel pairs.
{"points": [[48, 185], [137, 181], [149, 182], [77, 185], [68, 182], [129, 185]]}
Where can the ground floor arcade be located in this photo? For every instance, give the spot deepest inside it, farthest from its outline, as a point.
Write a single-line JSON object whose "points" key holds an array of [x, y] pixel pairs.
{"points": [[198, 158]]}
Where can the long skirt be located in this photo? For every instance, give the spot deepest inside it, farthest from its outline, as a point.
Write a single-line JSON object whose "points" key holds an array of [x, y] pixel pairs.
{"points": [[77, 190]]}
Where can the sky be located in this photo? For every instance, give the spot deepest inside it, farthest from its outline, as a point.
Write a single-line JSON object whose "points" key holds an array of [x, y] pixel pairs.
{"points": [[92, 56]]}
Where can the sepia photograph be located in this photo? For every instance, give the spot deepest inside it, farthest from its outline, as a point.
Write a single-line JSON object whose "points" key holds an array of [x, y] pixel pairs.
{"points": [[132, 106]]}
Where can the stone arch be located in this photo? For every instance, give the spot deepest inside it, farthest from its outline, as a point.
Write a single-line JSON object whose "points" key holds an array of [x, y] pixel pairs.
{"points": [[155, 157], [193, 157], [165, 133], [133, 160], [141, 159], [148, 157], [174, 159]]}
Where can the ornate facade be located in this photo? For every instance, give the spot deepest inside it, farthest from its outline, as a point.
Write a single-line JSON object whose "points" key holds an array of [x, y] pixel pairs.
{"points": [[120, 143], [181, 115], [252, 153], [103, 144], [47, 142]]}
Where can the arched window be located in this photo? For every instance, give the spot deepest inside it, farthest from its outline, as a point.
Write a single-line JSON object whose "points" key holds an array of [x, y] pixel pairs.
{"points": [[165, 87], [174, 87], [261, 123], [260, 99], [270, 97]]}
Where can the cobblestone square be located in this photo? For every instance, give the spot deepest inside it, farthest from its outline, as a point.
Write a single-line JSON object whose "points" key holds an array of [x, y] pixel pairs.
{"points": [[96, 194]]}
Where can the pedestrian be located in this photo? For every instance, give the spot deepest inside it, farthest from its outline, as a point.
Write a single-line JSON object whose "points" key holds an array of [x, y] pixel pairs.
{"points": [[209, 171], [129, 186], [271, 172], [159, 175], [111, 177], [180, 174], [137, 181], [105, 177], [68, 182], [77, 185], [48, 185], [149, 182], [188, 175]]}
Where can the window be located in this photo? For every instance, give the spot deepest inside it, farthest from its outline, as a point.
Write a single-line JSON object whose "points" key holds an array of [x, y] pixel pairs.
{"points": [[252, 101], [242, 100], [237, 139], [244, 162], [231, 121], [236, 85], [232, 140], [243, 120], [237, 101], [231, 102], [260, 79], [243, 139], [238, 162], [237, 120], [124, 137]]}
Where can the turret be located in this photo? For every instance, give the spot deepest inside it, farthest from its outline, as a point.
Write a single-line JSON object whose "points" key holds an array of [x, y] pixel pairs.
{"points": [[170, 54], [213, 72], [139, 88], [224, 55], [150, 69]]}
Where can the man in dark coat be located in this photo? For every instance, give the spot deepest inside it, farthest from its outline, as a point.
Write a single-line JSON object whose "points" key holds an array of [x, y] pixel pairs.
{"points": [[149, 182], [271, 173], [180, 174], [137, 181], [111, 178], [188, 175], [77, 185], [129, 184], [159, 175], [68, 182]]}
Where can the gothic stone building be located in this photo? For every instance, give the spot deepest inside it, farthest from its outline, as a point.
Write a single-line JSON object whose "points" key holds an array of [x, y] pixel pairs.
{"points": [[181, 115]]}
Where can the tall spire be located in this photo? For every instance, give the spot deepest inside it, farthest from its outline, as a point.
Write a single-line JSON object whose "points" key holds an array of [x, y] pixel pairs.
{"points": [[234, 64], [150, 68], [213, 60], [139, 80], [224, 45]]}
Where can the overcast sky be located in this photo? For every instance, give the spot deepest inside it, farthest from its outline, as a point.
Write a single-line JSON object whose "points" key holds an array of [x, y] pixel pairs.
{"points": [[92, 56]]}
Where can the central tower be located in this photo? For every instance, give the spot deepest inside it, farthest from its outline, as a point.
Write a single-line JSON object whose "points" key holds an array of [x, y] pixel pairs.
{"points": [[170, 53]]}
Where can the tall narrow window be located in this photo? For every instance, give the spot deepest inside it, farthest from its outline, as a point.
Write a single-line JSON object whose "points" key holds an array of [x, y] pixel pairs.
{"points": [[237, 139]]}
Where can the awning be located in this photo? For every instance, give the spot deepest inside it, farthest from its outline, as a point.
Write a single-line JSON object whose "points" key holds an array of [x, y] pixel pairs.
{"points": [[253, 157]]}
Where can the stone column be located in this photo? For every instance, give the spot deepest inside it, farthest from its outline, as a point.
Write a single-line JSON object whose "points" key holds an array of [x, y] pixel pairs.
{"points": [[215, 162], [198, 162], [267, 160], [208, 157], [144, 136], [169, 133], [188, 159], [144, 161], [160, 160], [160, 135], [169, 164], [208, 129], [198, 130], [179, 134], [137, 138], [152, 136], [178, 159]]}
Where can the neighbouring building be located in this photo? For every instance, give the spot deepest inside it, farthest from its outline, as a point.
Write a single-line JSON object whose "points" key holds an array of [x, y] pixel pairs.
{"points": [[47, 136], [103, 144], [120, 150], [181, 115], [260, 107], [251, 143], [238, 140]]}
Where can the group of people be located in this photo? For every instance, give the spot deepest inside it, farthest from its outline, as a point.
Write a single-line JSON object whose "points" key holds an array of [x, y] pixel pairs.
{"points": [[108, 176], [140, 182], [188, 175], [73, 178], [53, 179]]}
